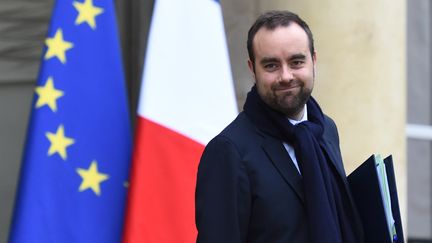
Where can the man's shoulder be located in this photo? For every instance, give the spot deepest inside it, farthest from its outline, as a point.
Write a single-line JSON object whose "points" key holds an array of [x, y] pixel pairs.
{"points": [[329, 122], [240, 131], [330, 130], [241, 125]]}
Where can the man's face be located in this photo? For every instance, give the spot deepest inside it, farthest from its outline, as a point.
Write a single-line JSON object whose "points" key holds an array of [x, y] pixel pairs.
{"points": [[284, 68]]}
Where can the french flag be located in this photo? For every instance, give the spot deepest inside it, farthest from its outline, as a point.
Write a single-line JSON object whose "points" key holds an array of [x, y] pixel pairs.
{"points": [[187, 97]]}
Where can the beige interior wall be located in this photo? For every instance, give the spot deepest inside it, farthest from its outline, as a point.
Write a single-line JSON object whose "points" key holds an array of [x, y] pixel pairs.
{"points": [[361, 75]]}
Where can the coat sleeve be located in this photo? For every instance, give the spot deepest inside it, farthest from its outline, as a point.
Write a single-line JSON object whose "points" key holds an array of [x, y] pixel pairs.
{"points": [[222, 199]]}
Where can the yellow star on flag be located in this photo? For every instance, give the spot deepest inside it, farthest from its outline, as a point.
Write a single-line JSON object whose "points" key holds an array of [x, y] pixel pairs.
{"points": [[59, 142], [91, 178], [87, 12], [48, 95], [57, 46]]}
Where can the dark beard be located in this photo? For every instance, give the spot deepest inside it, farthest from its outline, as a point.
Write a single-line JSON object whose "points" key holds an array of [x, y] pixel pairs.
{"points": [[292, 108]]}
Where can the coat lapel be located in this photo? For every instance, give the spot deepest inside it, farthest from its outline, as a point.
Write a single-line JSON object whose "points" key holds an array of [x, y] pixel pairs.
{"points": [[282, 161], [337, 163]]}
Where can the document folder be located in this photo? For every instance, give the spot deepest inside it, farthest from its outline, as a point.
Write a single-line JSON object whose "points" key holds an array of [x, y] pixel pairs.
{"points": [[365, 188]]}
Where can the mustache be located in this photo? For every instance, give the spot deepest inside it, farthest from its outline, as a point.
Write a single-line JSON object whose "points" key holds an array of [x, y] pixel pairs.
{"points": [[286, 84]]}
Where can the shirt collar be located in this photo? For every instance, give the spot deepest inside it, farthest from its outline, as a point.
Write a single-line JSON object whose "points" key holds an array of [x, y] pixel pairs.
{"points": [[304, 118]]}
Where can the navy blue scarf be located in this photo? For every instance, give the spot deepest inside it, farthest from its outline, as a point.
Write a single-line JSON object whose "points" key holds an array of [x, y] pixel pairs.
{"points": [[330, 214]]}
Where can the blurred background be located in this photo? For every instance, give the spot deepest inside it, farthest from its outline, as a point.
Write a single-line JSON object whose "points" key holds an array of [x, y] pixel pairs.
{"points": [[373, 78]]}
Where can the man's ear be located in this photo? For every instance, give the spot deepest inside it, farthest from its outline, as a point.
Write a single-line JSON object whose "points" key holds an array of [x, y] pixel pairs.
{"points": [[251, 67], [314, 58]]}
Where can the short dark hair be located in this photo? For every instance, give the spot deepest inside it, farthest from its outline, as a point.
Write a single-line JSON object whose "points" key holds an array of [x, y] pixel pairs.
{"points": [[272, 19]]}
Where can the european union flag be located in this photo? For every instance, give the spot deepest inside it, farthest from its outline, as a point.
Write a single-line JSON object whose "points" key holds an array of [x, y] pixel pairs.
{"points": [[75, 167]]}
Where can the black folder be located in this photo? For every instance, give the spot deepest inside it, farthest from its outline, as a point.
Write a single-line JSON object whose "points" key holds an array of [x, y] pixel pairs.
{"points": [[365, 189]]}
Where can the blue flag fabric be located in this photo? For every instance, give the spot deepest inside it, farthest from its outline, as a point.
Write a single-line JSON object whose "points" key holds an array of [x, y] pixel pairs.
{"points": [[74, 174]]}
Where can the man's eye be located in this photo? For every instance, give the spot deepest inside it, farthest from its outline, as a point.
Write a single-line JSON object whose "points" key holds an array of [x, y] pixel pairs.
{"points": [[297, 63], [270, 66]]}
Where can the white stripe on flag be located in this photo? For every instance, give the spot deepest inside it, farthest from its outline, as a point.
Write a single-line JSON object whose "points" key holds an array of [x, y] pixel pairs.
{"points": [[187, 83]]}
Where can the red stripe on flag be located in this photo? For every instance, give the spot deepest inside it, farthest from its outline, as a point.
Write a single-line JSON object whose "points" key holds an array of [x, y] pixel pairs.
{"points": [[162, 188]]}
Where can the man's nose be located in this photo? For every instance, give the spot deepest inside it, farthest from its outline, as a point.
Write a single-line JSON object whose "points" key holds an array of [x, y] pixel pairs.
{"points": [[286, 74]]}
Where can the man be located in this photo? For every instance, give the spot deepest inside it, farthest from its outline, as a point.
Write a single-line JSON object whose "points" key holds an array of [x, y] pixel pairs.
{"points": [[275, 174]]}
